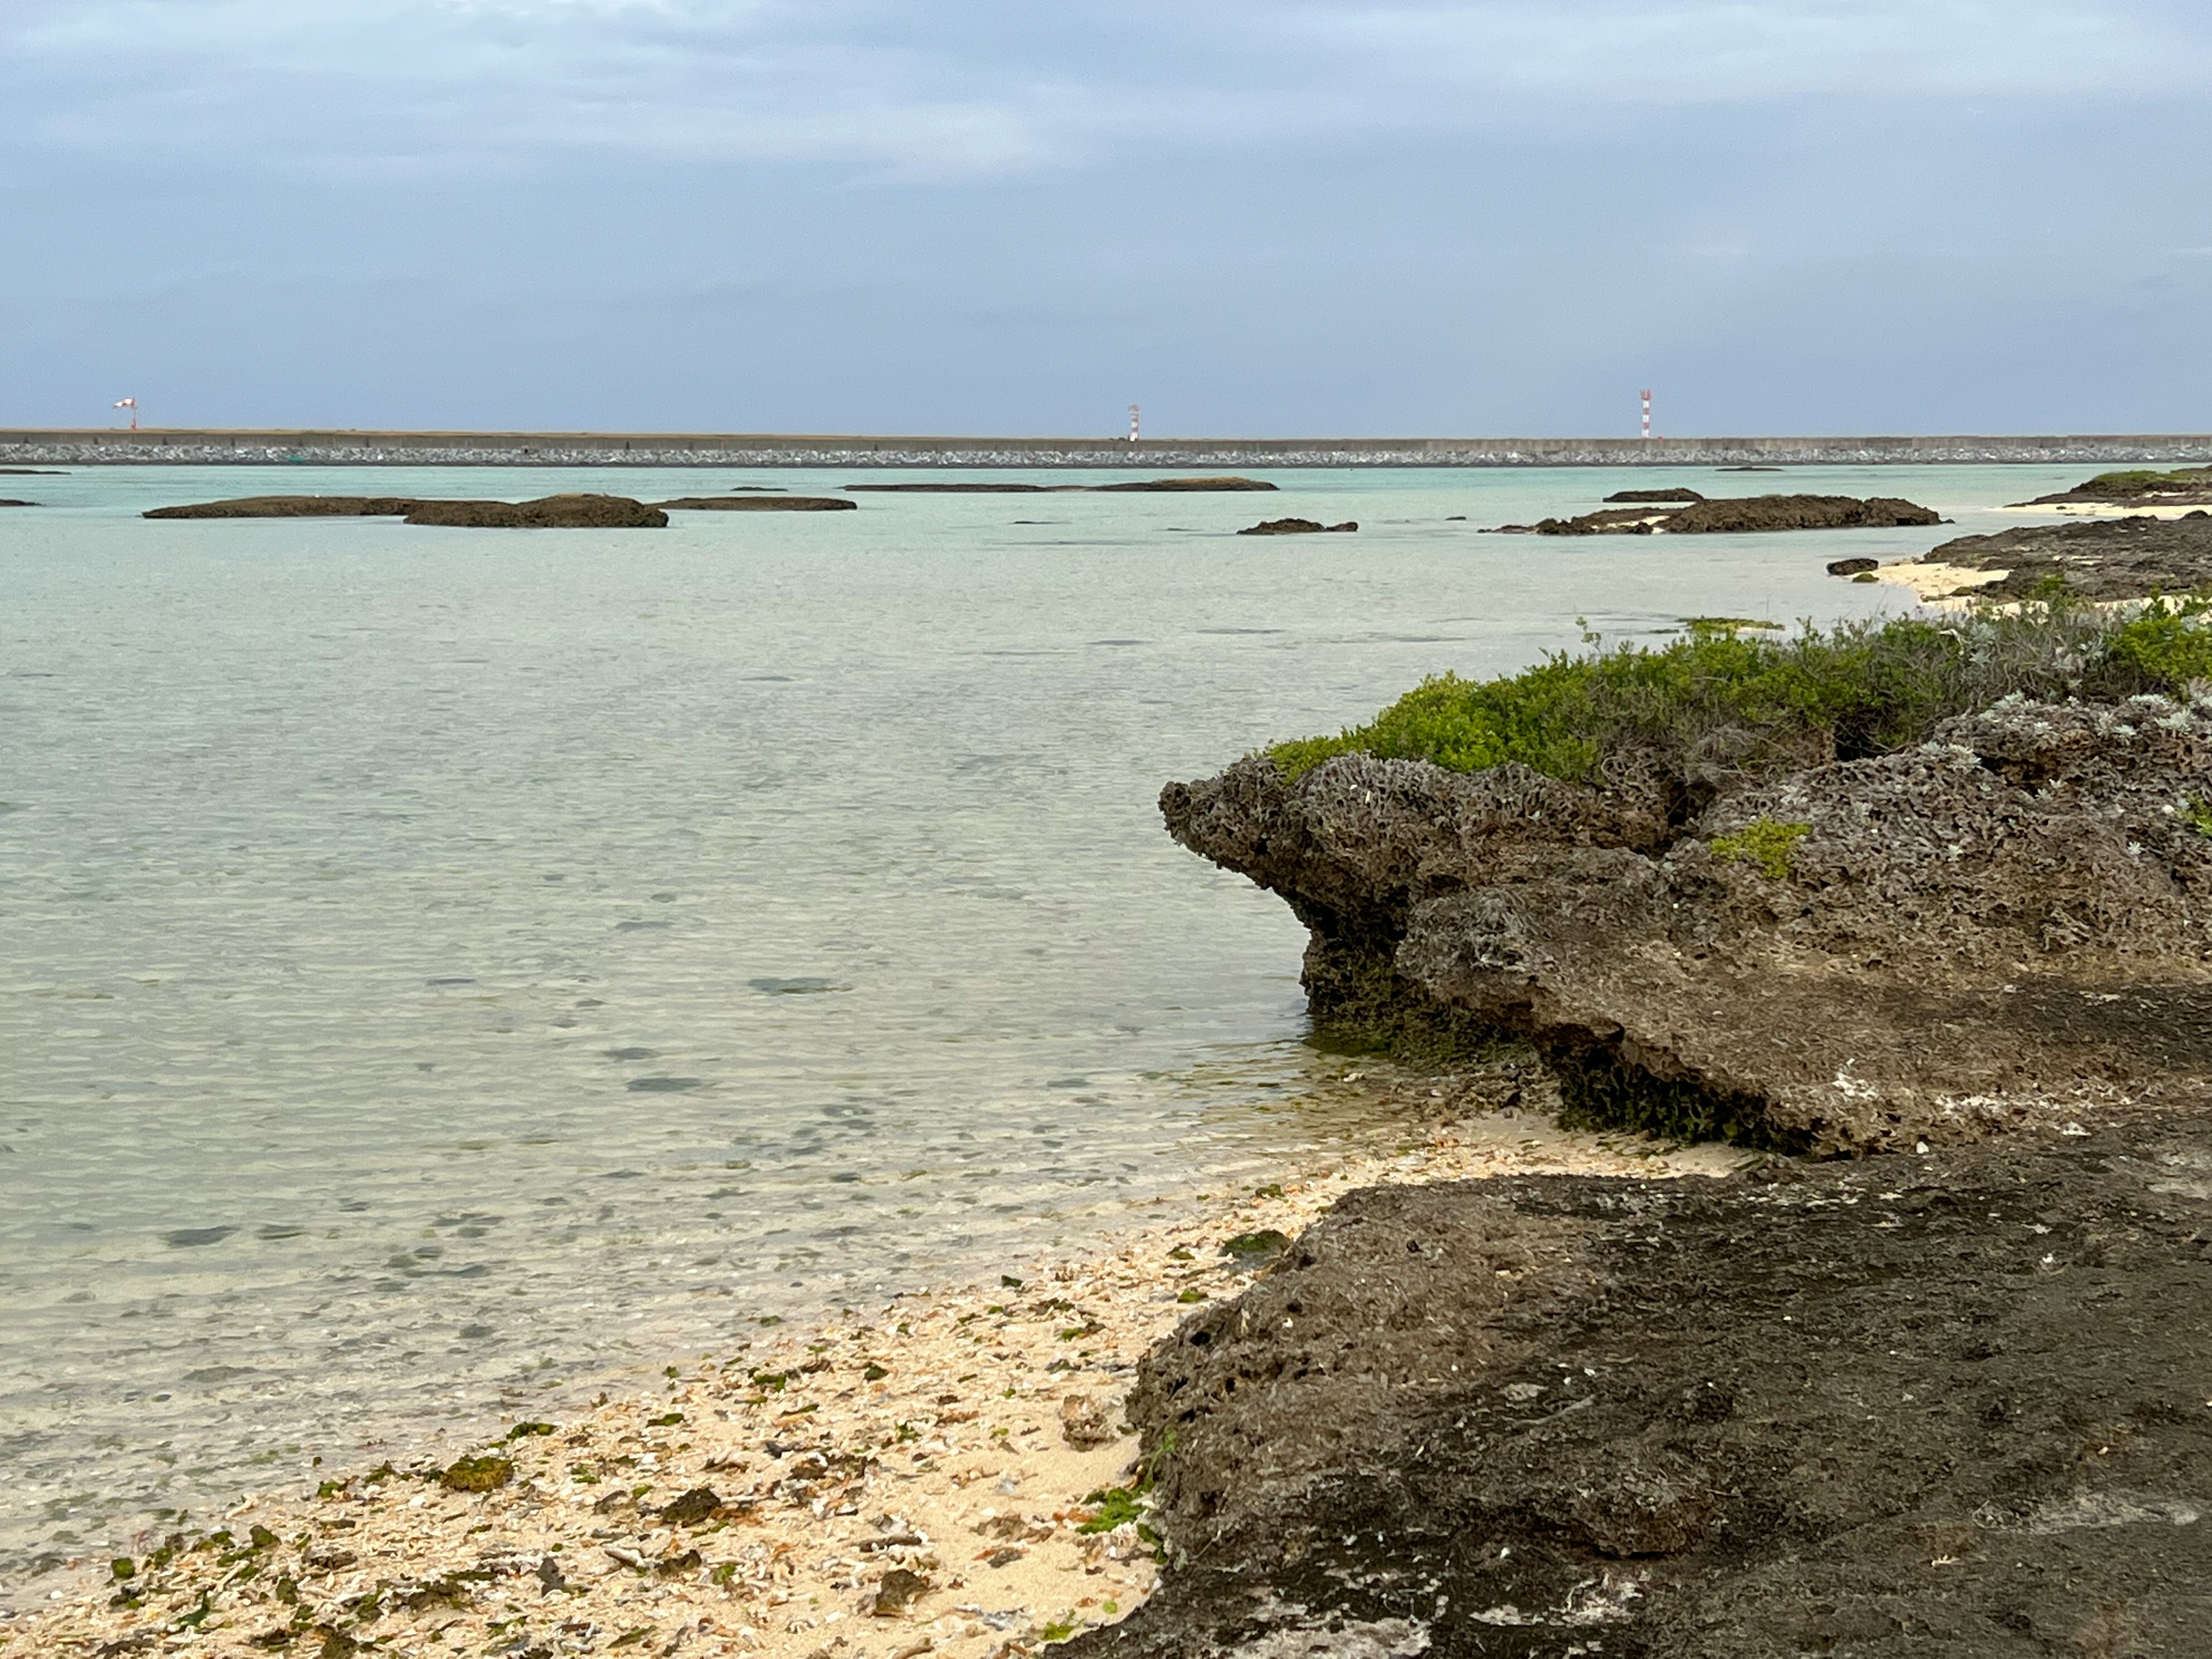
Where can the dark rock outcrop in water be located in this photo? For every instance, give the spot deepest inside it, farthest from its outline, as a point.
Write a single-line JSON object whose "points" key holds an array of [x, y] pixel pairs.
{"points": [[1171, 485], [547, 513], [1736, 516], [2093, 558], [1885, 1409], [1297, 527], [2007, 926], [14, 503], [1151, 485], [1798, 513], [579, 511], [1683, 495], [1853, 567], [758, 504], [292, 506]]}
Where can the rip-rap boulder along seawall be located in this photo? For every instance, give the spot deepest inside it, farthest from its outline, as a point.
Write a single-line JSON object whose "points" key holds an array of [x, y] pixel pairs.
{"points": [[1881, 1409], [2005, 927], [325, 447]]}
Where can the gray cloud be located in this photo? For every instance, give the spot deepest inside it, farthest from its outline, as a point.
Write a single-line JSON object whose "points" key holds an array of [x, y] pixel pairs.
{"points": [[984, 214]]}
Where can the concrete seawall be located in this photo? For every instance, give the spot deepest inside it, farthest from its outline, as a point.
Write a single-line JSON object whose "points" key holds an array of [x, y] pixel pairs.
{"points": [[97, 446]]}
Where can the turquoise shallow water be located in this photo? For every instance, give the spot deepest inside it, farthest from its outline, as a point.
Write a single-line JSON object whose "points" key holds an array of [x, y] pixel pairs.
{"points": [[437, 965]]}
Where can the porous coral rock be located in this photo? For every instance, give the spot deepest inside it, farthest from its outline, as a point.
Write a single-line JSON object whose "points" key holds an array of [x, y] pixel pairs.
{"points": [[2008, 924]]}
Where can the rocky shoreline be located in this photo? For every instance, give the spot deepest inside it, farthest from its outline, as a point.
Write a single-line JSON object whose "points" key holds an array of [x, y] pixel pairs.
{"points": [[2101, 560], [1911, 1384]]}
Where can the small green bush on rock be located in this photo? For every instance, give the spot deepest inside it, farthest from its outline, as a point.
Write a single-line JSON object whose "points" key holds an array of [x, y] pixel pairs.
{"points": [[2169, 644], [1764, 843]]}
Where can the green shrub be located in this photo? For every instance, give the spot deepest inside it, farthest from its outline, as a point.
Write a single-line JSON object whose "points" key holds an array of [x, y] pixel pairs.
{"points": [[1860, 689], [2168, 644]]}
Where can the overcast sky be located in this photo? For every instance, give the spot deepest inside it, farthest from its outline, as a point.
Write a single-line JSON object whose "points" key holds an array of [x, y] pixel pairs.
{"points": [[1253, 217]]}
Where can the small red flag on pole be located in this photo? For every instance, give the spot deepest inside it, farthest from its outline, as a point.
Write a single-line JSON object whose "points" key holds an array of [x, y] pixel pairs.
{"points": [[130, 403]]}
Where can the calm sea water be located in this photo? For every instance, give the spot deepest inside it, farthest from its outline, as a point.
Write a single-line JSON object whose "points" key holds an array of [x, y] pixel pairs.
{"points": [[439, 964]]}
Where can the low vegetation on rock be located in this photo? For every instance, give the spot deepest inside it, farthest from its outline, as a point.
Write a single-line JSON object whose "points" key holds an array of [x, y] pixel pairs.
{"points": [[1721, 694]]}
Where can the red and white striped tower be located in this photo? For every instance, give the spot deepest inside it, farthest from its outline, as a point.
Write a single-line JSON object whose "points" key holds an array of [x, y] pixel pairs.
{"points": [[1132, 424], [1647, 416]]}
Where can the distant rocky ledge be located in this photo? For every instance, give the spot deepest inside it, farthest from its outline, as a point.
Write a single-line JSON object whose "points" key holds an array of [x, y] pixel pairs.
{"points": [[2138, 487], [761, 503], [1735, 515], [574, 512], [1167, 486], [1297, 527]]}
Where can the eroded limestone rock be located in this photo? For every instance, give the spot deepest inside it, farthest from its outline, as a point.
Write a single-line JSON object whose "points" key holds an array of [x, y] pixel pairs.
{"points": [[2009, 926]]}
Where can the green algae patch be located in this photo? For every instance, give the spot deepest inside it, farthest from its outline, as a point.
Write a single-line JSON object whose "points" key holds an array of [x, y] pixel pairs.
{"points": [[486, 1473], [1250, 1248], [2196, 812], [1764, 843], [1112, 1507]]}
